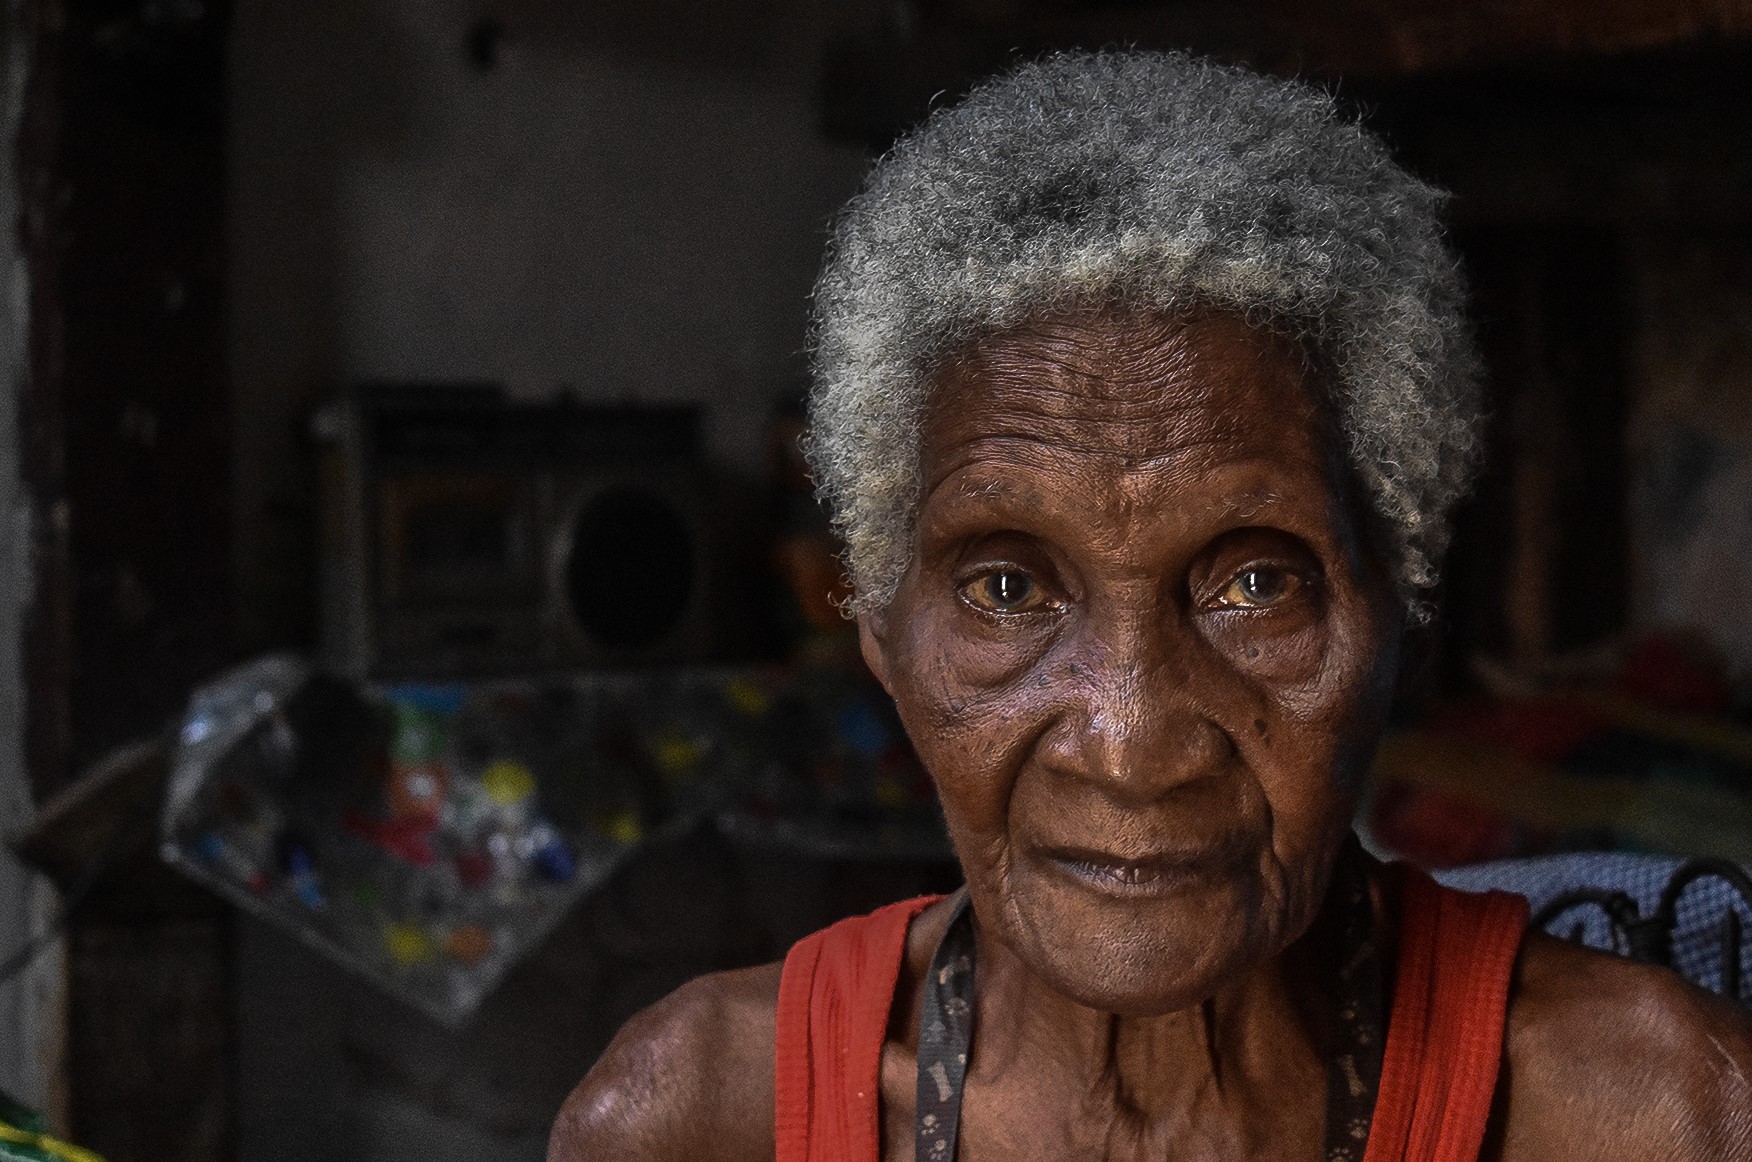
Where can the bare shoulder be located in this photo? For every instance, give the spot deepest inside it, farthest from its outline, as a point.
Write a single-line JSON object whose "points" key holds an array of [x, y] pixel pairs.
{"points": [[691, 1077], [1611, 1059]]}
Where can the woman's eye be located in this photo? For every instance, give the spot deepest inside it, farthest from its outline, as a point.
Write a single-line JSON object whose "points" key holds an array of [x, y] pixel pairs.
{"points": [[1004, 591], [1260, 587]]}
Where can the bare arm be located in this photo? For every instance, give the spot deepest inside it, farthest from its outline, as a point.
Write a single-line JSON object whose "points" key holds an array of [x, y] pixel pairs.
{"points": [[1613, 1060], [689, 1078]]}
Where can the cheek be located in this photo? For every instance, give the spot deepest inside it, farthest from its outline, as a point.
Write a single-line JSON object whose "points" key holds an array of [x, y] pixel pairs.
{"points": [[964, 704], [1322, 687], [1307, 798]]}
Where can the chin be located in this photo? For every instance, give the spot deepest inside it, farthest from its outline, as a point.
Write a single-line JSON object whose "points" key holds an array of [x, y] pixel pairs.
{"points": [[1140, 954]]}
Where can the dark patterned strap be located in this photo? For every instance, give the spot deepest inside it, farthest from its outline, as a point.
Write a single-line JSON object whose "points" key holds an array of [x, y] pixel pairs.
{"points": [[945, 1036], [1353, 1067]]}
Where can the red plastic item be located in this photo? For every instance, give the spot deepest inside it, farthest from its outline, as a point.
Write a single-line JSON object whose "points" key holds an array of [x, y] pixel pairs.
{"points": [[1540, 730], [1434, 828], [406, 839], [1675, 675]]}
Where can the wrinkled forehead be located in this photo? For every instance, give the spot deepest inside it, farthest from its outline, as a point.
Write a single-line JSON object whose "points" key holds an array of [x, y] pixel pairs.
{"points": [[1135, 387]]}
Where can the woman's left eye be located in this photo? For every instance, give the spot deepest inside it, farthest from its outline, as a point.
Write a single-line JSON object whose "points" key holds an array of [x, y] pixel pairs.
{"points": [[1004, 591], [1260, 587]]}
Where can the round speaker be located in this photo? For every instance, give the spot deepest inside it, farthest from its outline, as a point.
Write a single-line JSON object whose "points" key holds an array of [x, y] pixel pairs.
{"points": [[630, 566]]}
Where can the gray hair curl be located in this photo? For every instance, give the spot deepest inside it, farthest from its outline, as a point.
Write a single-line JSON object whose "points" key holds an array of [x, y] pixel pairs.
{"points": [[1164, 183]]}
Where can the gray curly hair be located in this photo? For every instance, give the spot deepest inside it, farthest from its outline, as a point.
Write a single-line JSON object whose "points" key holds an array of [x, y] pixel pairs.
{"points": [[1164, 183]]}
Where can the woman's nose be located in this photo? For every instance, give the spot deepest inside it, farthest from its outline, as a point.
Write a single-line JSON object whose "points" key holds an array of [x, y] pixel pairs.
{"points": [[1127, 718]]}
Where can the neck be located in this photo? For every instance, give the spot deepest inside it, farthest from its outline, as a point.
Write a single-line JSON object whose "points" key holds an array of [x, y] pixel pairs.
{"points": [[1261, 1030], [1243, 1073]]}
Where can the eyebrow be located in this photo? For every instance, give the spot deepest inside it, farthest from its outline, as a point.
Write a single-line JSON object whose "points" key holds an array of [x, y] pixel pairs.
{"points": [[1250, 504], [973, 491]]}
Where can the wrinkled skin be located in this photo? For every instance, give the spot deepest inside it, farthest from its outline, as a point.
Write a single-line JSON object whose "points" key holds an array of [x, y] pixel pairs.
{"points": [[1144, 649], [1148, 763]]}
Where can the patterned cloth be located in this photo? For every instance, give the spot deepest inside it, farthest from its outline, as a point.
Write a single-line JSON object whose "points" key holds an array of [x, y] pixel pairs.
{"points": [[1696, 936]]}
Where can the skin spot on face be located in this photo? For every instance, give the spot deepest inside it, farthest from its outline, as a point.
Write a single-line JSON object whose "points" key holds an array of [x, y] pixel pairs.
{"points": [[1143, 730]]}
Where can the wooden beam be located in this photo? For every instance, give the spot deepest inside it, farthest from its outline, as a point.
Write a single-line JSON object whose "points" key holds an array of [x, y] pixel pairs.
{"points": [[1376, 38]]}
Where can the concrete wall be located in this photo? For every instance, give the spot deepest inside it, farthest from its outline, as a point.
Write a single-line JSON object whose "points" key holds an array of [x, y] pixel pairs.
{"points": [[29, 1002], [630, 201]]}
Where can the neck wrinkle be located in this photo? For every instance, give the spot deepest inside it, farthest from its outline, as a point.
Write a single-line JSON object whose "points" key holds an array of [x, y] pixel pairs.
{"points": [[1155, 1068]]}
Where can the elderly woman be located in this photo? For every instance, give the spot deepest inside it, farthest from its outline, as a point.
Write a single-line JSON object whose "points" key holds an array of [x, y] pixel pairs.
{"points": [[1142, 397]]}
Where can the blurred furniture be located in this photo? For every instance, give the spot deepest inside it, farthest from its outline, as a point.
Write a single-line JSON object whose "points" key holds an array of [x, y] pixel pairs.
{"points": [[1688, 915]]}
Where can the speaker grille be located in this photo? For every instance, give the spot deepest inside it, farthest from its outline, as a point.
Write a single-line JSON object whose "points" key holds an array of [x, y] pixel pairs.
{"points": [[629, 571]]}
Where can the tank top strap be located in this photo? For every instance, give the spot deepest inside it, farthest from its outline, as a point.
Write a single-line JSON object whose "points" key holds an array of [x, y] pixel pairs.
{"points": [[1457, 953], [834, 998]]}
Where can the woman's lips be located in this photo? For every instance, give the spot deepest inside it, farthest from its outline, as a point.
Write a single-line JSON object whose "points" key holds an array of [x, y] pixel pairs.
{"points": [[1153, 875]]}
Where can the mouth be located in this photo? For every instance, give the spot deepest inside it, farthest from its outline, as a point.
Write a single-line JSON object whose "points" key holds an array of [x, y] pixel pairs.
{"points": [[1126, 876]]}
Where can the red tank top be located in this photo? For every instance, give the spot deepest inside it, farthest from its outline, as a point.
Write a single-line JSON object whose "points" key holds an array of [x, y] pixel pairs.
{"points": [[1444, 1037]]}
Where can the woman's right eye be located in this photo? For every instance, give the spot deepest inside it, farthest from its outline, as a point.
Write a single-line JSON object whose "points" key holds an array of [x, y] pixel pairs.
{"points": [[1004, 590]]}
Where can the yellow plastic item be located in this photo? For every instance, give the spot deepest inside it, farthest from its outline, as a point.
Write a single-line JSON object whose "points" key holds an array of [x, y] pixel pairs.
{"points": [[507, 782], [623, 827], [60, 1149], [678, 755], [746, 697], [408, 943], [890, 793]]}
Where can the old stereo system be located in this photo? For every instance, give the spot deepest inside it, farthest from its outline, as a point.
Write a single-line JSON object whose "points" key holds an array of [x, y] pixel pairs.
{"points": [[468, 535]]}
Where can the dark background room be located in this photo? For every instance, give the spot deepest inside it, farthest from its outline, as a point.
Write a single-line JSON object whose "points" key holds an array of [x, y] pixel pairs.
{"points": [[352, 802]]}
